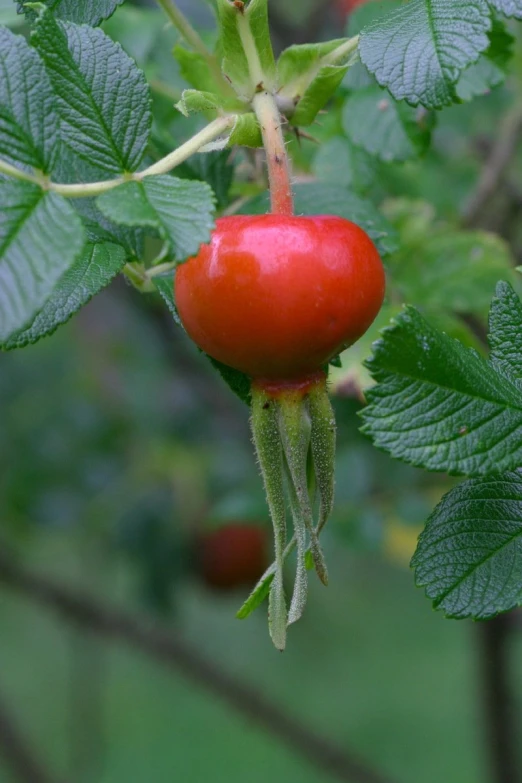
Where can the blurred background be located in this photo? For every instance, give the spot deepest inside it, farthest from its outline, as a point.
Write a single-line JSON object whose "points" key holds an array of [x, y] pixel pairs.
{"points": [[133, 520]]}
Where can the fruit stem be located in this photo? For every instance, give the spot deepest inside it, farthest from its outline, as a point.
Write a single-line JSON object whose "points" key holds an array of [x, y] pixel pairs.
{"points": [[271, 122]]}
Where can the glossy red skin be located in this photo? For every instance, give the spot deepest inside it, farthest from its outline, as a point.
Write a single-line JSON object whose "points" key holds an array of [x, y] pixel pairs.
{"points": [[235, 555], [277, 297]]}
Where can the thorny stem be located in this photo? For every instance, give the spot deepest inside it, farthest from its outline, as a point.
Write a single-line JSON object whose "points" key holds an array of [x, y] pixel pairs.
{"points": [[163, 166], [270, 120], [267, 112]]}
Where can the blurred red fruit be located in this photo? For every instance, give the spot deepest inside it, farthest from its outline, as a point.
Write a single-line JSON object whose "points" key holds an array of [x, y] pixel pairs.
{"points": [[234, 555]]}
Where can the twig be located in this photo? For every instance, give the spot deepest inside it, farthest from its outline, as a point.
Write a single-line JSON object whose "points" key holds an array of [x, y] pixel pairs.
{"points": [[16, 752], [496, 166], [177, 655], [499, 708]]}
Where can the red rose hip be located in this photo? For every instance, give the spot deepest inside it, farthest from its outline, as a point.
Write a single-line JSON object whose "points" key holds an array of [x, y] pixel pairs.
{"points": [[278, 296]]}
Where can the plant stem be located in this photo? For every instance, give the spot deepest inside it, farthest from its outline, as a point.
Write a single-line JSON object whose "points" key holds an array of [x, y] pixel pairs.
{"points": [[499, 703], [281, 197], [12, 171], [163, 166], [267, 112], [193, 38], [185, 29], [193, 145]]}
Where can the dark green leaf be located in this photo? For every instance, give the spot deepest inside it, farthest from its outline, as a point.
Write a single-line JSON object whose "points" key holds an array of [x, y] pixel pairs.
{"points": [[165, 287], [469, 557], [181, 211], [383, 127], [439, 405], [490, 70], [90, 12], [214, 168], [94, 269], [29, 130], [40, 238], [505, 333], [419, 50], [103, 98], [237, 381]]}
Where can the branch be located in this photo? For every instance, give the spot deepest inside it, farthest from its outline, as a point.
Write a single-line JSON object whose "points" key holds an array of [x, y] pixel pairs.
{"points": [[496, 166], [82, 190], [16, 752], [178, 656], [499, 703]]}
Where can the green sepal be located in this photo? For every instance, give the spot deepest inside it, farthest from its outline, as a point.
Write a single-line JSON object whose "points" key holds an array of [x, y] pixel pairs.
{"points": [[310, 74], [195, 101], [244, 133], [265, 431], [254, 16], [295, 428], [322, 439]]}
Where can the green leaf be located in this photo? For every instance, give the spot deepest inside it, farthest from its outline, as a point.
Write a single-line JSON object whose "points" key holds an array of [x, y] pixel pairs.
{"points": [[214, 168], [165, 288], [505, 333], [90, 12], [40, 238], [419, 50], [383, 127], [180, 210], [309, 79], [195, 101], [235, 63], [322, 199], [469, 557], [490, 70], [508, 7], [439, 405], [92, 271], [237, 381], [103, 99], [29, 130], [473, 261], [339, 162]]}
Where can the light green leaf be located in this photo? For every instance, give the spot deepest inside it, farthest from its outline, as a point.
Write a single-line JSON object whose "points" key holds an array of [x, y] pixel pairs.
{"points": [[439, 405], [339, 162], [180, 210], [103, 99], [90, 12], [419, 50], [235, 63], [92, 271], [508, 7], [473, 261], [382, 126], [40, 238], [29, 130], [469, 557], [309, 78]]}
